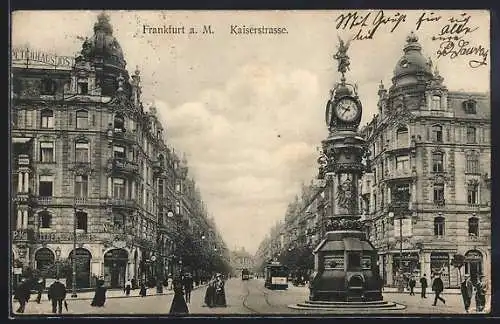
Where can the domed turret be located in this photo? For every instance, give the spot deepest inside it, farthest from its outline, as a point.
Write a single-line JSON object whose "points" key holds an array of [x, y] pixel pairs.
{"points": [[412, 66], [105, 53]]}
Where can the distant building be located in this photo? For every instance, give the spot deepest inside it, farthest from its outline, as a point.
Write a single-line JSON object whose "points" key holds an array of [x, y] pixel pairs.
{"points": [[241, 259], [429, 189]]}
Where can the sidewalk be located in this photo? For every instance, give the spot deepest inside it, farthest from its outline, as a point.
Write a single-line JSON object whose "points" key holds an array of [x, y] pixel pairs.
{"points": [[115, 293]]}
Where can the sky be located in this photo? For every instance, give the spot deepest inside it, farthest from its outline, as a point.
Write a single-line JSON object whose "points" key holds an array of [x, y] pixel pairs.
{"points": [[248, 110]]}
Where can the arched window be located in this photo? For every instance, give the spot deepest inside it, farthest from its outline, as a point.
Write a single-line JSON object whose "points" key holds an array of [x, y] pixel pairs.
{"points": [[82, 221], [439, 226], [437, 162], [82, 119], [471, 135], [119, 123], [402, 137], [472, 162], [47, 120], [437, 134], [45, 219], [473, 226]]}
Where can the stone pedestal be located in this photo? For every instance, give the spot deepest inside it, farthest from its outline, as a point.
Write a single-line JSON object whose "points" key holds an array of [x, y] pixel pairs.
{"points": [[347, 269]]}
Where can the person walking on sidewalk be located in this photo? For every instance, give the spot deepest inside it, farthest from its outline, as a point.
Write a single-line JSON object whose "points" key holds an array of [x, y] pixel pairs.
{"points": [[99, 295], [128, 287], [423, 285], [22, 295], [411, 284], [169, 281], [39, 287], [178, 305], [480, 294], [438, 287], [188, 286], [57, 294], [467, 288], [143, 291]]}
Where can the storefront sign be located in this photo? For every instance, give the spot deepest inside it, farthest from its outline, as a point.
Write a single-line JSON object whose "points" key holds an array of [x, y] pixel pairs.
{"points": [[55, 237], [18, 271], [27, 57]]}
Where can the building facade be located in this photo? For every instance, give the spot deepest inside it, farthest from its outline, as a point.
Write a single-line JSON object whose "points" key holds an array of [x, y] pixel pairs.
{"points": [[427, 197], [92, 177], [241, 259]]}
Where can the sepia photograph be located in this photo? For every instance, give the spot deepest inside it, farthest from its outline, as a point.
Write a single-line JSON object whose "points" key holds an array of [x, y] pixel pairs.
{"points": [[249, 163]]}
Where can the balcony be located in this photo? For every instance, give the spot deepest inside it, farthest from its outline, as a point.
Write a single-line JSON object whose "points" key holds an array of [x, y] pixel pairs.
{"points": [[45, 201], [121, 203], [24, 198], [125, 136], [399, 174], [123, 165]]}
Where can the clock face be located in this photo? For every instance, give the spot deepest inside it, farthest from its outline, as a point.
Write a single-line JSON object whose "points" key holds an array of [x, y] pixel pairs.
{"points": [[347, 109]]}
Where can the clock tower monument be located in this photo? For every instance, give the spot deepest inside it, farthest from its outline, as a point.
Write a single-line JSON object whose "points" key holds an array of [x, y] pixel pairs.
{"points": [[346, 269]]}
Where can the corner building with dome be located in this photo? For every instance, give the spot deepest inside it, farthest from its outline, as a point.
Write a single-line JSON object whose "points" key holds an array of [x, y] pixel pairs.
{"points": [[93, 177], [428, 195]]}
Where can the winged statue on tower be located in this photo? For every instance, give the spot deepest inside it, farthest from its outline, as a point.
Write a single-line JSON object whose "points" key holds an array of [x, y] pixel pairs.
{"points": [[341, 56]]}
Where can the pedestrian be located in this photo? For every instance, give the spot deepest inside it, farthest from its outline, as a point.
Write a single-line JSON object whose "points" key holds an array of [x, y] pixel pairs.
{"points": [[188, 286], [170, 281], [40, 286], [143, 291], [210, 293], [438, 287], [178, 305], [57, 294], [220, 294], [467, 288], [411, 283], [99, 294], [423, 285], [480, 294], [128, 287], [22, 295]]}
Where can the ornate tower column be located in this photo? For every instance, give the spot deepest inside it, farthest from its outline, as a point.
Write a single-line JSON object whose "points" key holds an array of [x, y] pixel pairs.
{"points": [[345, 261]]}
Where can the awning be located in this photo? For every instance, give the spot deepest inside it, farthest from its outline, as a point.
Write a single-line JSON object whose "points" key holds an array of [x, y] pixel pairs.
{"points": [[21, 139]]}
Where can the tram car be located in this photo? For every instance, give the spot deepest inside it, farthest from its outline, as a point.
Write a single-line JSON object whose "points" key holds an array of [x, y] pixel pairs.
{"points": [[245, 274], [276, 276]]}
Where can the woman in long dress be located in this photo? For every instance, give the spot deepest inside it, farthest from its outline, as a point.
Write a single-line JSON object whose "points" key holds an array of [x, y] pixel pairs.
{"points": [[220, 294], [179, 305], [100, 295], [210, 293]]}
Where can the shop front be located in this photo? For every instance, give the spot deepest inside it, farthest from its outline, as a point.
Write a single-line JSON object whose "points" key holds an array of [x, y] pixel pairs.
{"points": [[473, 264], [115, 268], [82, 260], [44, 262], [405, 265], [440, 264]]}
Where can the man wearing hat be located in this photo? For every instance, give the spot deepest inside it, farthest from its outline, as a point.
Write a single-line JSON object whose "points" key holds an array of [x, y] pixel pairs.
{"points": [[438, 287], [40, 287], [466, 288], [22, 295], [481, 294], [56, 294]]}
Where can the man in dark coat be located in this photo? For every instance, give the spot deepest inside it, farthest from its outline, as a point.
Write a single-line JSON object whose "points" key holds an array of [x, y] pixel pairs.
{"points": [[188, 286], [411, 285], [438, 287], [423, 285], [467, 290], [39, 288], [22, 294], [481, 289], [56, 294]]}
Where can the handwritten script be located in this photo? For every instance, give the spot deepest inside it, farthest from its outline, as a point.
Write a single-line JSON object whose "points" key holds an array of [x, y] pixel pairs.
{"points": [[368, 24], [455, 49]]}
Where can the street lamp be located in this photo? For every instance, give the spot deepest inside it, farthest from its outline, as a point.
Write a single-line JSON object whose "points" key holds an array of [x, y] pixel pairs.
{"points": [[58, 256], [73, 260]]}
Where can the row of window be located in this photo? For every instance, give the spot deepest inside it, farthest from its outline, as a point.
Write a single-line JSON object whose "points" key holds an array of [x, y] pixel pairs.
{"points": [[402, 193], [439, 227], [436, 136]]}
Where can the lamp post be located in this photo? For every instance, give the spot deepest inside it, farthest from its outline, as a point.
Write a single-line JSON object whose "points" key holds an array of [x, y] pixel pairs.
{"points": [[73, 260], [58, 256]]}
